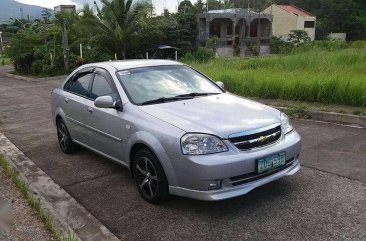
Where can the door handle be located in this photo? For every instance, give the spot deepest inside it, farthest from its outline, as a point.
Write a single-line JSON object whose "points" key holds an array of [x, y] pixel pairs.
{"points": [[66, 100], [90, 109]]}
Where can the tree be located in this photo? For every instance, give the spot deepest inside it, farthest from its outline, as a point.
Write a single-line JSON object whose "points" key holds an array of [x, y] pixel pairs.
{"points": [[200, 6], [214, 4], [46, 15], [118, 24], [185, 6]]}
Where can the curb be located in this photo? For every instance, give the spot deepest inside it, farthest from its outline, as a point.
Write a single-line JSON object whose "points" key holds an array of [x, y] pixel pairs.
{"points": [[333, 117], [34, 79], [66, 212]]}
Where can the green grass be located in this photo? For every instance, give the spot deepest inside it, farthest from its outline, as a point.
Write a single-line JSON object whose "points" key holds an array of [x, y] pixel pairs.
{"points": [[35, 203], [5, 61], [337, 77]]}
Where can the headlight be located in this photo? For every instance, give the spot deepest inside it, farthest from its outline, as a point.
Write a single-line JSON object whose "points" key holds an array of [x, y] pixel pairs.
{"points": [[286, 124], [200, 144]]}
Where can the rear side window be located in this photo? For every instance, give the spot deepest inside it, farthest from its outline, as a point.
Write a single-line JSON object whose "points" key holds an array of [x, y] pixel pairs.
{"points": [[80, 86], [102, 87]]}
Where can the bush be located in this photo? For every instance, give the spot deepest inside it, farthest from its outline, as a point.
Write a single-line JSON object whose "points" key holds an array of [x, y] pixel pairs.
{"points": [[297, 37], [187, 58], [279, 46], [203, 55], [211, 43]]}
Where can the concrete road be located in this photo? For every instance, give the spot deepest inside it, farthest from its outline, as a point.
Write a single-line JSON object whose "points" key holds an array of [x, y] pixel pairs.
{"points": [[326, 200]]}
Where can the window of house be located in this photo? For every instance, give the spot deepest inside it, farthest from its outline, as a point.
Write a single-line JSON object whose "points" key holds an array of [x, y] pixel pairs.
{"points": [[309, 24], [80, 86]]}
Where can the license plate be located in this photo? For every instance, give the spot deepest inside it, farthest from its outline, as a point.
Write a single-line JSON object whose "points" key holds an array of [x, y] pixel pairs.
{"points": [[271, 162]]}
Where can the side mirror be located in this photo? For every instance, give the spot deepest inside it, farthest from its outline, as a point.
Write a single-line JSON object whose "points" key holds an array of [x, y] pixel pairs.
{"points": [[104, 102], [220, 84]]}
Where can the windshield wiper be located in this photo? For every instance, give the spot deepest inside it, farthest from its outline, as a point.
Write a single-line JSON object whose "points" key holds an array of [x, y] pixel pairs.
{"points": [[166, 99], [196, 94]]}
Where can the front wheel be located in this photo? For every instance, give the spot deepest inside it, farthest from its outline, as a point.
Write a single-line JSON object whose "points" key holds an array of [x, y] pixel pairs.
{"points": [[64, 138], [149, 177]]}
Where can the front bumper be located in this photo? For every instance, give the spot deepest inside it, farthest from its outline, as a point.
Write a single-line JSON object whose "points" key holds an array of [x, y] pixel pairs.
{"points": [[194, 174], [230, 192]]}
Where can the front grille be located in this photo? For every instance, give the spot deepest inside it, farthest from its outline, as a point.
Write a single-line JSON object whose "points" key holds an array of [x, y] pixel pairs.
{"points": [[259, 139], [253, 176]]}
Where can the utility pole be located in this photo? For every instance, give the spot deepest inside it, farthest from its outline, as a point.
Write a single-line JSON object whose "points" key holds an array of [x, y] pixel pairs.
{"points": [[65, 46], [1, 46]]}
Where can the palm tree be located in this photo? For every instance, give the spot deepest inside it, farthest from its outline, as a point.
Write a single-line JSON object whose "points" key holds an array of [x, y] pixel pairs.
{"points": [[116, 24]]}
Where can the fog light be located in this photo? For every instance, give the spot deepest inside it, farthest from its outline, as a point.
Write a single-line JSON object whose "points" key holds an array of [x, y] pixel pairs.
{"points": [[214, 185]]}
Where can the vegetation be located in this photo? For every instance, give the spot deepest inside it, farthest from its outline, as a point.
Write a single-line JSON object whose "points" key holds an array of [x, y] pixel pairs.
{"points": [[125, 28], [310, 73], [35, 202]]}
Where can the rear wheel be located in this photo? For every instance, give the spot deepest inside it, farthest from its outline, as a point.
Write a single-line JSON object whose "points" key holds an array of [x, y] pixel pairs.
{"points": [[150, 177], [64, 139]]}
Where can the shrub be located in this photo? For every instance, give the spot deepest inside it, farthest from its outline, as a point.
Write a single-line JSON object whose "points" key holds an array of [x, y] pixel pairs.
{"points": [[279, 46], [297, 37], [211, 43], [201, 55], [187, 58]]}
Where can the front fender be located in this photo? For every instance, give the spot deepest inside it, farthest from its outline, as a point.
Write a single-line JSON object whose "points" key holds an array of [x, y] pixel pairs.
{"points": [[146, 138]]}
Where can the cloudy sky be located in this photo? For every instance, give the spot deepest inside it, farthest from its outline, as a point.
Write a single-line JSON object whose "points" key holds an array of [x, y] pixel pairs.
{"points": [[158, 4]]}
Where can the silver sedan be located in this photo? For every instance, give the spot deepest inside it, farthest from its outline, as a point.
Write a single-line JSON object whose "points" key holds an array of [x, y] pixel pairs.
{"points": [[177, 131]]}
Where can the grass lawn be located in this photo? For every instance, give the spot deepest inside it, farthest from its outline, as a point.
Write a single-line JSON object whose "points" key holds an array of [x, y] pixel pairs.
{"points": [[337, 77]]}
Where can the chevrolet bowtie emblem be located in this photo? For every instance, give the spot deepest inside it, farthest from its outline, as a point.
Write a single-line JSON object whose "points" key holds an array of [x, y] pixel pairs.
{"points": [[262, 138]]}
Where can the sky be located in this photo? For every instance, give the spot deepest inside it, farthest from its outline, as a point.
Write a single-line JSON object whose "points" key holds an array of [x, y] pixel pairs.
{"points": [[158, 4]]}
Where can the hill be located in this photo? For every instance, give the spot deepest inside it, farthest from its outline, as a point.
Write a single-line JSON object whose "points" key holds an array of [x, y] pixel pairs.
{"points": [[12, 9]]}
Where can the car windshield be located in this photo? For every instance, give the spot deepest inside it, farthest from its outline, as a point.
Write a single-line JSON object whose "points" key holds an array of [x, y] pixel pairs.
{"points": [[146, 84]]}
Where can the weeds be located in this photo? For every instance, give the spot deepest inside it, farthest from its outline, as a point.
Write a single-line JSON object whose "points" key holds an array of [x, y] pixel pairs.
{"points": [[298, 112], [35, 203], [331, 77]]}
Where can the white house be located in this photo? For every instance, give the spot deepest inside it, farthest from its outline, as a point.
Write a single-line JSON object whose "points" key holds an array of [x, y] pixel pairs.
{"points": [[289, 17]]}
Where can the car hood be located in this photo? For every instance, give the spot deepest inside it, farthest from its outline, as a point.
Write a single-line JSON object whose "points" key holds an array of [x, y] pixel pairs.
{"points": [[221, 115]]}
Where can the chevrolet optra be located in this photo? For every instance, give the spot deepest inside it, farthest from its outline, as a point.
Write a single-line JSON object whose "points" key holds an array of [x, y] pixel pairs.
{"points": [[176, 130]]}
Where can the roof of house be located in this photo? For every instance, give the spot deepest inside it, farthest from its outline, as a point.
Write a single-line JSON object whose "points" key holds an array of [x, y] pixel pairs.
{"points": [[295, 10], [232, 10]]}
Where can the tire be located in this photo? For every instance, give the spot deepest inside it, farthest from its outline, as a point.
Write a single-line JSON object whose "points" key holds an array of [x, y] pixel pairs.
{"points": [[149, 177], [64, 138]]}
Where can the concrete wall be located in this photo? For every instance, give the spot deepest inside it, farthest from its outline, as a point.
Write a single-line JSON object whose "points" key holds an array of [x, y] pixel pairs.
{"points": [[284, 22], [338, 36], [225, 51], [301, 26]]}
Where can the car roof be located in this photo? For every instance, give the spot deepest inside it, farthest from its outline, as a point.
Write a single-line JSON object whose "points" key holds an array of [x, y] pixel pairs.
{"points": [[138, 63]]}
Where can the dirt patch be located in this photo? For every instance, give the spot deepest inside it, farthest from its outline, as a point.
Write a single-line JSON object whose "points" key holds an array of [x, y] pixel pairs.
{"points": [[18, 221]]}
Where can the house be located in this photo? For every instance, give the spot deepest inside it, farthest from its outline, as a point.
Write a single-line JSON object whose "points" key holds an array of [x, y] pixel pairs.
{"points": [[239, 31], [289, 17], [65, 8]]}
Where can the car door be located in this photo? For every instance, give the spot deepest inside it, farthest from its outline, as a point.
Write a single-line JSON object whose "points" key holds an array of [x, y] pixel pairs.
{"points": [[76, 103], [106, 123]]}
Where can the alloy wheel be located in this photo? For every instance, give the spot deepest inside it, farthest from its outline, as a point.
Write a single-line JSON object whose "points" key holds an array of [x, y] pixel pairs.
{"points": [[62, 136], [147, 178]]}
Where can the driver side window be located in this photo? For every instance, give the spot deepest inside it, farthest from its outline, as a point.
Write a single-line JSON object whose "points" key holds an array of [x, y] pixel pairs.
{"points": [[102, 87], [80, 85]]}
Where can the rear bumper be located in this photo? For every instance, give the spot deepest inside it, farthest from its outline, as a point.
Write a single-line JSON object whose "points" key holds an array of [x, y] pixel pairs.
{"points": [[229, 192]]}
